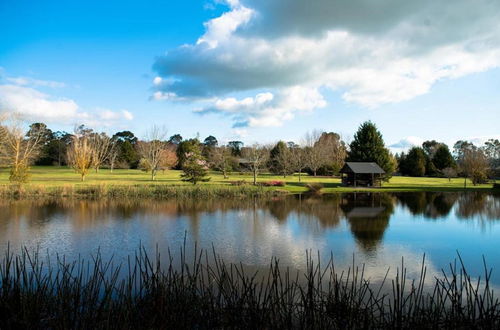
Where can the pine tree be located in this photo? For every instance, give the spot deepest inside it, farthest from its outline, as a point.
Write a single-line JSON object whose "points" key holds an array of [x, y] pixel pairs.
{"points": [[195, 167], [368, 146]]}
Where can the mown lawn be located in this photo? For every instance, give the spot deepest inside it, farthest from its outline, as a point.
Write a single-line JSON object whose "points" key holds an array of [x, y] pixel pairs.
{"points": [[62, 176]]}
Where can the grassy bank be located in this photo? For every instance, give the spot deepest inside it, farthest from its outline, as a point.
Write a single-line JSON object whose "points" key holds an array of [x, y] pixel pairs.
{"points": [[207, 293], [59, 182]]}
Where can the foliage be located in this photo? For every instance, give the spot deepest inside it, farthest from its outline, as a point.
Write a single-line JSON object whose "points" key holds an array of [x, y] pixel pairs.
{"points": [[273, 183], [368, 146], [413, 164], [235, 147], [280, 160], [194, 168], [187, 147], [443, 158]]}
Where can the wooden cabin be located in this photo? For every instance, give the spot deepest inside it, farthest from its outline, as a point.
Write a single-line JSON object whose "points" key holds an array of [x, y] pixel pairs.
{"points": [[361, 174]]}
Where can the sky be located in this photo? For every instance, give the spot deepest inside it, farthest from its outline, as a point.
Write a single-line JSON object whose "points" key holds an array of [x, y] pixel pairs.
{"points": [[256, 70]]}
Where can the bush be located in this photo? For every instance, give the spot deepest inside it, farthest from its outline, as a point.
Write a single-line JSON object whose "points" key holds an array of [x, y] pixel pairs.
{"points": [[478, 177], [314, 187], [273, 183]]}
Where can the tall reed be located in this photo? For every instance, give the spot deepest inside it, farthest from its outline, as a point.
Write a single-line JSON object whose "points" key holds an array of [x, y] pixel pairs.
{"points": [[206, 292]]}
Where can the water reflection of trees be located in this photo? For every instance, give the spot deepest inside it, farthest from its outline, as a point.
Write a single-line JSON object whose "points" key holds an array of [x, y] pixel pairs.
{"points": [[478, 204], [432, 205], [368, 216], [366, 213]]}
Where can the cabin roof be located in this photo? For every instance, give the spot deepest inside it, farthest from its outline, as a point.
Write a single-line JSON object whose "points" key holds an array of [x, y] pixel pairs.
{"points": [[362, 168]]}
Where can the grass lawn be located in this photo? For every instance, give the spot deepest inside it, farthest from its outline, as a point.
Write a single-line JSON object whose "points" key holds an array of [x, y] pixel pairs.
{"points": [[61, 176]]}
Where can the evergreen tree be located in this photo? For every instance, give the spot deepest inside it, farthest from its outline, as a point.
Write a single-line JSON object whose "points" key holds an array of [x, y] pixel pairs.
{"points": [[194, 166], [443, 158], [415, 162], [368, 146]]}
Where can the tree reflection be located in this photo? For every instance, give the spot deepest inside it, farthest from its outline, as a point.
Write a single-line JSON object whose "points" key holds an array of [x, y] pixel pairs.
{"points": [[432, 205], [479, 204]]}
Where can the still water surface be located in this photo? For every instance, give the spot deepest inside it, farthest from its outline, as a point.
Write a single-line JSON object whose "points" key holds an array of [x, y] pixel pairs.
{"points": [[376, 229]]}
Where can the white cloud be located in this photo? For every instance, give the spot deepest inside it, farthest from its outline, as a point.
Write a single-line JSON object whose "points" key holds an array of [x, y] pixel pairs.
{"points": [[267, 109], [407, 143], [374, 52], [27, 81], [34, 105]]}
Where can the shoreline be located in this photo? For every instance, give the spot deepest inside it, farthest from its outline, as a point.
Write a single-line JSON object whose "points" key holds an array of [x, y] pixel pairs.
{"points": [[159, 191]]}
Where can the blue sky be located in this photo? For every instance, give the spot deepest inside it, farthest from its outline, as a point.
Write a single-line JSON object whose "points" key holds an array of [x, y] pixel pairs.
{"points": [[255, 70]]}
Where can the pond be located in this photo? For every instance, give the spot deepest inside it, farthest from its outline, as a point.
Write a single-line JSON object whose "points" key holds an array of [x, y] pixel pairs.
{"points": [[375, 229]]}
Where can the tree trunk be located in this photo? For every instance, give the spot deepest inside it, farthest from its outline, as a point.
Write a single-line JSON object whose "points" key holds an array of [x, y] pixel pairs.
{"points": [[254, 177], [300, 172], [153, 174], [83, 177], [465, 183], [314, 172]]}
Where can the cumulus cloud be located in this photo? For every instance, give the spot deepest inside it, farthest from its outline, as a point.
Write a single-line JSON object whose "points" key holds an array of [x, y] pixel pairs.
{"points": [[37, 106], [374, 52], [267, 109], [407, 143]]}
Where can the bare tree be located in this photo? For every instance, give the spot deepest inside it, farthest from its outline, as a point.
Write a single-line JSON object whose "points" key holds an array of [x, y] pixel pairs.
{"points": [[299, 159], [101, 146], [256, 157], [114, 152], [221, 160], [80, 154], [19, 149], [449, 172], [474, 165], [333, 150], [314, 154], [151, 149]]}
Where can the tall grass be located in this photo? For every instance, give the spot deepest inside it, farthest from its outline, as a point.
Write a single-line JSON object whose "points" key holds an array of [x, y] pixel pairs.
{"points": [[205, 292], [133, 191]]}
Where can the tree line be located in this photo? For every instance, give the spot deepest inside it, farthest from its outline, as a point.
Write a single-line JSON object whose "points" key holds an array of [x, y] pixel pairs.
{"points": [[317, 153]]}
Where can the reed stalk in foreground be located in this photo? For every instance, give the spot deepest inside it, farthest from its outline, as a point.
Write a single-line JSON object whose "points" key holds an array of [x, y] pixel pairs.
{"points": [[206, 292]]}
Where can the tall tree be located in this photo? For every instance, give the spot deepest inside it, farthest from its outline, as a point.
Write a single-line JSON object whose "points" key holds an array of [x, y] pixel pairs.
{"points": [[443, 158], [430, 147], [334, 151], [235, 147], [152, 148], [185, 147], [280, 159], [368, 146], [256, 157], [194, 167], [210, 141], [175, 139], [20, 149], [474, 165], [221, 160], [102, 146], [79, 154], [416, 162], [313, 151]]}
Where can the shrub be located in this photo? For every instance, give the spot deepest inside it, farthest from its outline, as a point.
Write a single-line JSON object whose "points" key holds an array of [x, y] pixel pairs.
{"points": [[314, 187], [272, 183]]}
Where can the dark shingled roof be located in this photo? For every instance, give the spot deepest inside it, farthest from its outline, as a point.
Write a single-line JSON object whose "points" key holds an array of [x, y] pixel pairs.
{"points": [[361, 168]]}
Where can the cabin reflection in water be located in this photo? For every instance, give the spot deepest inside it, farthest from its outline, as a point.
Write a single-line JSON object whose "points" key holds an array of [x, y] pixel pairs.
{"points": [[368, 216]]}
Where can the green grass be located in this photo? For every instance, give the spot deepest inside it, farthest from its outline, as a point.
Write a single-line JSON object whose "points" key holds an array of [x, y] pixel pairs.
{"points": [[62, 178]]}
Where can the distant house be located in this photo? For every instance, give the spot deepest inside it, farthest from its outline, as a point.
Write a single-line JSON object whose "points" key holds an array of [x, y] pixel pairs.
{"points": [[361, 174]]}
